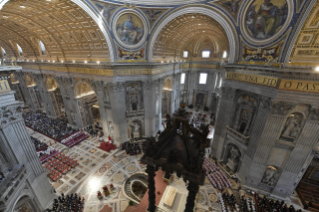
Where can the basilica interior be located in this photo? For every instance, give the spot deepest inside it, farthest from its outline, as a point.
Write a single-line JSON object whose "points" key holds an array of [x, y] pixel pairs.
{"points": [[168, 106]]}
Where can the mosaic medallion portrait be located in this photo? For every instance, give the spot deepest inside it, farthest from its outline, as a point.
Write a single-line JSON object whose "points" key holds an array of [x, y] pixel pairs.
{"points": [[265, 17], [129, 29]]}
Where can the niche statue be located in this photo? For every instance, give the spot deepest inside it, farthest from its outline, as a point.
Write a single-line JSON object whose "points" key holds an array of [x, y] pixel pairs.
{"points": [[233, 159], [270, 176], [135, 130], [292, 128]]}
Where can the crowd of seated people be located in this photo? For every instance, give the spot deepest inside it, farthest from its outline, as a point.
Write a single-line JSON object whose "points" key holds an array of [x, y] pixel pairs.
{"points": [[39, 145], [68, 203], [216, 177], [136, 147], [74, 139], [90, 130], [1, 177], [44, 151], [59, 165], [55, 128], [256, 203]]}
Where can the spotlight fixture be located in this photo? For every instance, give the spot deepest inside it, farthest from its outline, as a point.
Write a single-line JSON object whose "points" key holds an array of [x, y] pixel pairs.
{"points": [[162, 61], [27, 60], [41, 60], [22, 6], [61, 61], [85, 61], [5, 16], [98, 62], [53, 61], [203, 31], [73, 61], [317, 68], [199, 24], [48, 60], [33, 60], [289, 61]]}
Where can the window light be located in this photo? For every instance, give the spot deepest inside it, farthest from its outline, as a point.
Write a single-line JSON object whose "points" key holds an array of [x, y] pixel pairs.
{"points": [[185, 54], [225, 54], [202, 78], [205, 54], [183, 78]]}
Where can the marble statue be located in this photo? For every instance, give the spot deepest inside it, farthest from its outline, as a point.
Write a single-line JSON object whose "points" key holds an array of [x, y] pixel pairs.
{"points": [[270, 176], [208, 150], [233, 161], [73, 116], [292, 127], [135, 130], [234, 154]]}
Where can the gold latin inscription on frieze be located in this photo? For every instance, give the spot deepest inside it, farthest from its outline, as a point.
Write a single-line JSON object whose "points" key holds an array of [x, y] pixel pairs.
{"points": [[260, 80], [296, 85]]}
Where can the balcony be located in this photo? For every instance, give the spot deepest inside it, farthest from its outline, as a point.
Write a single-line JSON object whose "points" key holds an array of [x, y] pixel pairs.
{"points": [[238, 136], [9, 65], [135, 113], [11, 182]]}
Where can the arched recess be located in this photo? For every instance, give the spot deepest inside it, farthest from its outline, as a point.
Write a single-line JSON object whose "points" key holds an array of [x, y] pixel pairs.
{"points": [[25, 198], [213, 13], [52, 33], [56, 96], [87, 103]]}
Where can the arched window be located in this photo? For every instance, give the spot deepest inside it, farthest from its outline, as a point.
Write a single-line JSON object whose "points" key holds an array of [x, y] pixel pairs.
{"points": [[3, 52], [185, 54], [42, 47], [20, 50]]}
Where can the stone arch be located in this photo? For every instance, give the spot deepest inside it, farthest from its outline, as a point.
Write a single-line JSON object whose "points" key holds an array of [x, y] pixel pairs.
{"points": [[51, 84], [30, 81], [213, 13], [25, 195], [95, 16], [83, 88]]}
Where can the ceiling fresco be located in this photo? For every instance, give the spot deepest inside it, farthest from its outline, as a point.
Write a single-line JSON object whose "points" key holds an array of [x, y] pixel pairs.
{"points": [[263, 29]]}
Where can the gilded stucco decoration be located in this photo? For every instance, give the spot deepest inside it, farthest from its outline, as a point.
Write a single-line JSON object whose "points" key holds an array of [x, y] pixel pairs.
{"points": [[65, 29], [306, 47], [13, 79], [231, 5], [106, 9], [269, 54], [189, 32], [153, 15]]}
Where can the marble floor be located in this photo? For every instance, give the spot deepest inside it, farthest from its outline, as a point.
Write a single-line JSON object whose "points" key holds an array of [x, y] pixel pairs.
{"points": [[98, 168]]}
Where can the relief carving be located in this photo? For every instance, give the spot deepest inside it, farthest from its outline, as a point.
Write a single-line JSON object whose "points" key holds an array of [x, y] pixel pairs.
{"points": [[282, 108], [270, 176], [314, 114], [228, 93]]}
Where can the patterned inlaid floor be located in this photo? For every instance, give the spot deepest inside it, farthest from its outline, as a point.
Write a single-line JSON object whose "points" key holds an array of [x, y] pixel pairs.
{"points": [[98, 168]]}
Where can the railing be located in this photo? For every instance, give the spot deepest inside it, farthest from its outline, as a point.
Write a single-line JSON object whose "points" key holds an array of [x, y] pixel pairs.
{"points": [[243, 139], [7, 63], [134, 113], [11, 182]]}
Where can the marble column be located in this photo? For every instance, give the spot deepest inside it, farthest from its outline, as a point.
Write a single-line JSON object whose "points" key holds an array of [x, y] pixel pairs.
{"points": [[20, 149], [149, 107], [100, 92], [64, 85], [45, 95], [20, 76], [222, 120], [117, 96]]}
